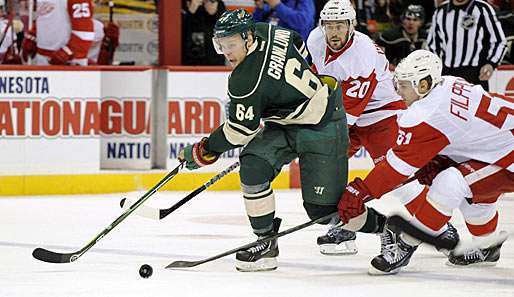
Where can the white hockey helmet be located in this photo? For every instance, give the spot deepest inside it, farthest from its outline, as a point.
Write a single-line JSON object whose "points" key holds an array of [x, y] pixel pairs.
{"points": [[417, 66], [338, 10]]}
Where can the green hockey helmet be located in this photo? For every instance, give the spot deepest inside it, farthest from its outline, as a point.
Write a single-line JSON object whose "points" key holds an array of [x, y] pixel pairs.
{"points": [[234, 22]]}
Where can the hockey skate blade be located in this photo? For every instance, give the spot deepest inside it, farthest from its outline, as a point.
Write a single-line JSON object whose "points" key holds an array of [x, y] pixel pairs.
{"points": [[265, 264], [480, 264], [463, 247], [375, 272], [343, 249], [143, 210]]}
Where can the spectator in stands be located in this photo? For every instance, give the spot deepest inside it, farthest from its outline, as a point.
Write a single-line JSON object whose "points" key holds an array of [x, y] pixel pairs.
{"points": [[399, 42], [297, 15], [468, 37], [428, 6], [198, 19]]}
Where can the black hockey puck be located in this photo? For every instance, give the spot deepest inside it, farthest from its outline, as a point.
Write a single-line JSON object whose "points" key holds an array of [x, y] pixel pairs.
{"points": [[145, 271], [122, 202]]}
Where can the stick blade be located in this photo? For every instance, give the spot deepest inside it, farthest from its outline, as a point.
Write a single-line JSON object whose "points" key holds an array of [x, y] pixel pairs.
{"points": [[53, 257], [182, 264], [143, 211]]}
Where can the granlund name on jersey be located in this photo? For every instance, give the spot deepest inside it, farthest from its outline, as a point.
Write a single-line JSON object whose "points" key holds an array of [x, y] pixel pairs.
{"points": [[274, 83]]}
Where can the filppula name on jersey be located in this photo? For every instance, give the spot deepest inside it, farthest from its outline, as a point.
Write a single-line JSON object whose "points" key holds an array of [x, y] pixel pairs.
{"points": [[278, 53], [24, 85]]}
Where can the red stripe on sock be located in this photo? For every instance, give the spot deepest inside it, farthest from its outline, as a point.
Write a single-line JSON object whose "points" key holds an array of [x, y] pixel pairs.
{"points": [[415, 204], [431, 217], [489, 227]]}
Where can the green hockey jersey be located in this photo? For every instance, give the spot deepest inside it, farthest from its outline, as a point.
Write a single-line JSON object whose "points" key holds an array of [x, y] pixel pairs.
{"points": [[273, 84]]}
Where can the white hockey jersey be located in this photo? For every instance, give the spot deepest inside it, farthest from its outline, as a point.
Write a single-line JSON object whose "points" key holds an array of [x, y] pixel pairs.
{"points": [[363, 70], [6, 35], [60, 22], [457, 119]]}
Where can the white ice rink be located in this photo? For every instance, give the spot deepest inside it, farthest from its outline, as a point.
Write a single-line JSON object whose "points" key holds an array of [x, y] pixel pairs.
{"points": [[207, 225]]}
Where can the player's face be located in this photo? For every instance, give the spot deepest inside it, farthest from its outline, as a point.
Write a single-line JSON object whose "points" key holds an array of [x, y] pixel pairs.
{"points": [[405, 89], [232, 47], [336, 33], [411, 25]]}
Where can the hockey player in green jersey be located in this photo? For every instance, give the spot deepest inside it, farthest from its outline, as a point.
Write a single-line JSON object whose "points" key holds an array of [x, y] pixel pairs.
{"points": [[303, 117]]}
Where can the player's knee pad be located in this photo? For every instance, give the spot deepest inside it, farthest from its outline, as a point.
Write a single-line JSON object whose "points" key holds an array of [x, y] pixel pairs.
{"points": [[254, 170], [449, 189], [315, 211]]}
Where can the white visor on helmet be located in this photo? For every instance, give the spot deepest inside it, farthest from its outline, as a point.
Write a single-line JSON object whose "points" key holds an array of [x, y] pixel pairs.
{"points": [[228, 44]]}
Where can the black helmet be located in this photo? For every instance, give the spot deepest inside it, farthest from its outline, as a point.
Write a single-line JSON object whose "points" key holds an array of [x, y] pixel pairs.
{"points": [[414, 11]]}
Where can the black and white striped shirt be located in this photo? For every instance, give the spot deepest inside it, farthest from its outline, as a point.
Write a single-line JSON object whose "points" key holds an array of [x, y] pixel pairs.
{"points": [[468, 35]]}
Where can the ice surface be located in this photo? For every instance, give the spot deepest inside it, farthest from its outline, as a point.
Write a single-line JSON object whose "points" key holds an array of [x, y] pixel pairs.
{"points": [[209, 224]]}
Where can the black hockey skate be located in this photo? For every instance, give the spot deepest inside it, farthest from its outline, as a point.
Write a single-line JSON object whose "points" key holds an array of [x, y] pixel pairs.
{"points": [[451, 229], [338, 241], [394, 256], [387, 239], [479, 257], [261, 257]]}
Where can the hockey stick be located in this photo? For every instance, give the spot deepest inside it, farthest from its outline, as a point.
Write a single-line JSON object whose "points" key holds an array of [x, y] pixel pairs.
{"points": [[54, 257], [111, 48], [188, 264], [399, 224], [111, 10], [458, 247], [159, 214]]}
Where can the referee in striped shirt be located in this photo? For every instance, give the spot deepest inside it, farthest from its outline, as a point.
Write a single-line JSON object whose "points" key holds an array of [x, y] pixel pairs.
{"points": [[468, 37]]}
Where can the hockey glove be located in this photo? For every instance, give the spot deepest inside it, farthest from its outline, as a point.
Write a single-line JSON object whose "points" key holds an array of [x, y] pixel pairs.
{"points": [[62, 56], [28, 45], [427, 173], [351, 204], [112, 35], [196, 156], [109, 44]]}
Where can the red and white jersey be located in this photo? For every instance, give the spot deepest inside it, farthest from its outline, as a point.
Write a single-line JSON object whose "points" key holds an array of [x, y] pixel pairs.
{"points": [[94, 50], [7, 35], [61, 21], [457, 119], [363, 70]]}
